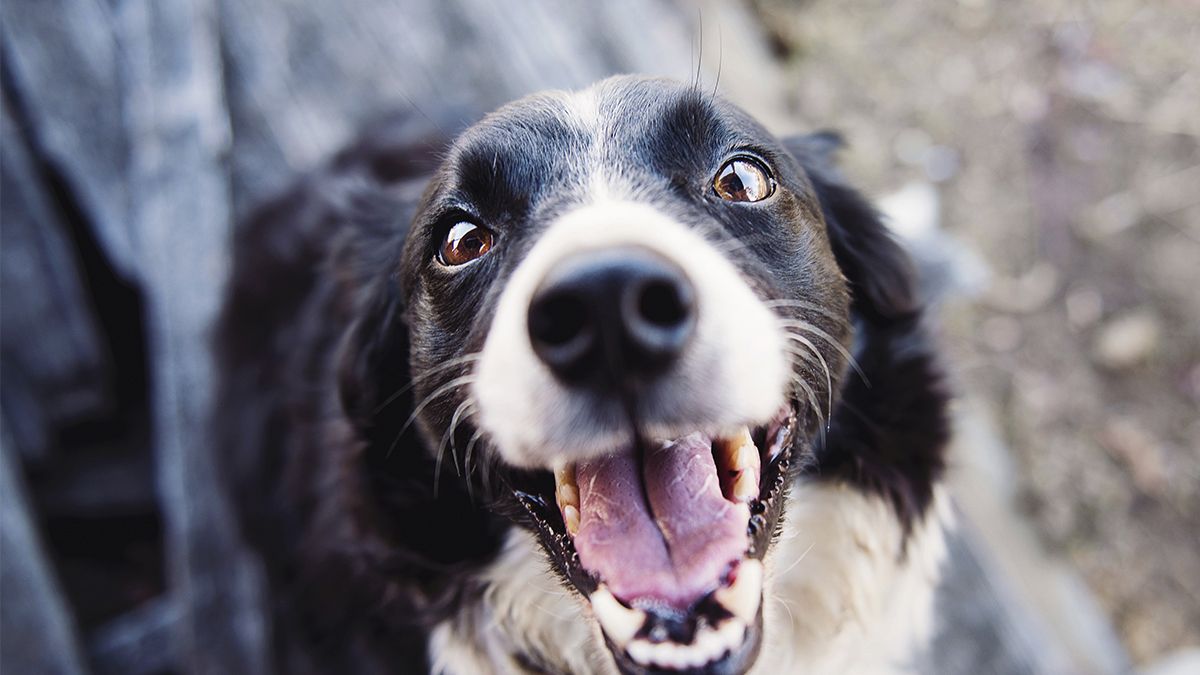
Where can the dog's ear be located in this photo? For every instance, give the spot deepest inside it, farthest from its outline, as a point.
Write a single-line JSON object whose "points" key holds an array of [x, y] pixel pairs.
{"points": [[889, 431], [880, 273], [377, 181], [373, 358]]}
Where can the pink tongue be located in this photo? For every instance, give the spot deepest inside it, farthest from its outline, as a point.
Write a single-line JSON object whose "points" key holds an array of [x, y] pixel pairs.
{"points": [[674, 556]]}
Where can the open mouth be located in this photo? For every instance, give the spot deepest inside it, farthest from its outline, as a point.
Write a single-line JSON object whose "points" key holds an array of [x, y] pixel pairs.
{"points": [[667, 541]]}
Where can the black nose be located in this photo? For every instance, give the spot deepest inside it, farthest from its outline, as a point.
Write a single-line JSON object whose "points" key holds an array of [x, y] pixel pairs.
{"points": [[612, 313]]}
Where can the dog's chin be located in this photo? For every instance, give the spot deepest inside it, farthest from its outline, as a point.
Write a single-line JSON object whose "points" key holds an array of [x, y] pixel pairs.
{"points": [[665, 539]]}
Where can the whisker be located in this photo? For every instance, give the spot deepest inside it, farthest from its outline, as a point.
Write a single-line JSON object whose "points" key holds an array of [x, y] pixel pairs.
{"points": [[467, 462], [812, 402], [458, 360], [543, 609], [787, 606], [466, 407], [440, 391], [805, 326], [798, 560], [815, 352]]}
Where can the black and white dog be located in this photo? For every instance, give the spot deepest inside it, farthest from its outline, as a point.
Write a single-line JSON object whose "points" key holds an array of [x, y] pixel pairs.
{"points": [[633, 386]]}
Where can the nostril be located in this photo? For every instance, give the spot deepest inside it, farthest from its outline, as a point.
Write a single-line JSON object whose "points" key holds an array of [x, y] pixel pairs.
{"points": [[661, 303], [558, 319], [604, 315]]}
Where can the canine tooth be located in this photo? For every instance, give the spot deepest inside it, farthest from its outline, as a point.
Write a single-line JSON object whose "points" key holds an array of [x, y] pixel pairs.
{"points": [[571, 519], [564, 476], [619, 622], [745, 487], [567, 494], [746, 458], [741, 597]]}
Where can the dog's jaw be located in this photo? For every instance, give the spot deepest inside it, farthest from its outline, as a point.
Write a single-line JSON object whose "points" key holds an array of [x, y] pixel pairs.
{"points": [[841, 598]]}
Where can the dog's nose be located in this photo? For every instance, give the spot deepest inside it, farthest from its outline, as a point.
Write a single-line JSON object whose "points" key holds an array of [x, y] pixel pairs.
{"points": [[616, 312]]}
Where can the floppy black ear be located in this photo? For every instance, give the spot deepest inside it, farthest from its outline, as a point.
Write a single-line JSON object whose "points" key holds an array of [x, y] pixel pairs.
{"points": [[889, 431], [377, 181], [373, 359], [881, 275]]}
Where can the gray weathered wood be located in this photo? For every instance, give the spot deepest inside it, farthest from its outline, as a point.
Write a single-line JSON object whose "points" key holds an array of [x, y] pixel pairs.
{"points": [[305, 74], [54, 362], [980, 630], [38, 633], [139, 642], [63, 57], [180, 224]]}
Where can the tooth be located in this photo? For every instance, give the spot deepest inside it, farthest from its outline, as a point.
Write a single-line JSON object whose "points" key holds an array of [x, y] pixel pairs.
{"points": [[619, 622], [736, 441], [746, 458], [741, 597], [732, 634], [641, 651], [741, 465], [566, 493], [571, 519], [708, 643], [564, 477], [745, 487]]}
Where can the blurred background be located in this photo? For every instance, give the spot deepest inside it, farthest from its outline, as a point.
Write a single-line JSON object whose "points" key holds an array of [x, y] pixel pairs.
{"points": [[1040, 159]]}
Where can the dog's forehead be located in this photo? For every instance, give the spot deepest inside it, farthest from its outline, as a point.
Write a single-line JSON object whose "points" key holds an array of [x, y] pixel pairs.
{"points": [[606, 135]]}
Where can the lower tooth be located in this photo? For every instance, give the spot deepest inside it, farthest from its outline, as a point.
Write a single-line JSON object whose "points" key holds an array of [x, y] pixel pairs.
{"points": [[742, 597], [619, 622]]}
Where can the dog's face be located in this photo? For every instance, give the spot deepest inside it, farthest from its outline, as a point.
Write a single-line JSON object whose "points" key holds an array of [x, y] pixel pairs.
{"points": [[626, 319]]}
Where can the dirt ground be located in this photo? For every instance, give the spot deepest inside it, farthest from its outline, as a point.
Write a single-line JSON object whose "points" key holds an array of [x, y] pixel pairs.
{"points": [[1063, 139]]}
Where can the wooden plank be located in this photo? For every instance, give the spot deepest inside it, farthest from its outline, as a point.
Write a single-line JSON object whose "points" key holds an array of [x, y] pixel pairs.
{"points": [[55, 368], [38, 632], [295, 98], [179, 135], [140, 642], [63, 57]]}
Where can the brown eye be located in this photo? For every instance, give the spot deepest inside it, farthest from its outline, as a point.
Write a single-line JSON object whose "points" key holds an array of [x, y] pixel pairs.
{"points": [[464, 242], [743, 180]]}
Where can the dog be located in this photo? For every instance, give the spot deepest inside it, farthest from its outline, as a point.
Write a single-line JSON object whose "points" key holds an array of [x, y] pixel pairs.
{"points": [[612, 381]]}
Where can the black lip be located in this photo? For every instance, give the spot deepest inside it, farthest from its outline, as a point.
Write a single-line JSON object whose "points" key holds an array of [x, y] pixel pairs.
{"points": [[536, 496], [733, 663]]}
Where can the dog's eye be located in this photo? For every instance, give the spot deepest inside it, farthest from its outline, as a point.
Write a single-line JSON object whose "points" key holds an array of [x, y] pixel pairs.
{"points": [[742, 179], [464, 242]]}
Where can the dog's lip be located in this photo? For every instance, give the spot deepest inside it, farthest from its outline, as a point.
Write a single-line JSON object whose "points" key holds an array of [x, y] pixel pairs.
{"points": [[710, 613]]}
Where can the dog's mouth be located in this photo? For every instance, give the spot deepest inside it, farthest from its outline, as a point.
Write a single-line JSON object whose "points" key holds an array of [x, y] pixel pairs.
{"points": [[666, 542]]}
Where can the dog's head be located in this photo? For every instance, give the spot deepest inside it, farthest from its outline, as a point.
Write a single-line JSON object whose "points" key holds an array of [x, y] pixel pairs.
{"points": [[628, 316]]}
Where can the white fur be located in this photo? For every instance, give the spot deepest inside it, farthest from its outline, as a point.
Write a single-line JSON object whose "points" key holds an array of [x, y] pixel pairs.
{"points": [[733, 373], [841, 597]]}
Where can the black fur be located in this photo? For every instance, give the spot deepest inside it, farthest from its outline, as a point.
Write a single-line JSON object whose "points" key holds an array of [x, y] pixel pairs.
{"points": [[365, 547]]}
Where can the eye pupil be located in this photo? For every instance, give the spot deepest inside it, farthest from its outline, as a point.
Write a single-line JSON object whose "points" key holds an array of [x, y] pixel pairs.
{"points": [[464, 242], [743, 180]]}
